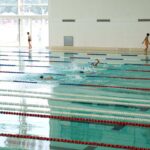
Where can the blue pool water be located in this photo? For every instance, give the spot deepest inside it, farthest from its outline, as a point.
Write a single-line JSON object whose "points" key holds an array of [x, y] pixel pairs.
{"points": [[118, 89]]}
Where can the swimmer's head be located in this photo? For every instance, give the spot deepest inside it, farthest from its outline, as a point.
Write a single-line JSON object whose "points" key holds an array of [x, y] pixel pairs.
{"points": [[41, 77], [147, 34], [81, 71]]}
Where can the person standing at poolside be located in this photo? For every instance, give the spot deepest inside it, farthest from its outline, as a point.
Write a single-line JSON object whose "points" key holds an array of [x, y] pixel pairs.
{"points": [[29, 40], [146, 42]]}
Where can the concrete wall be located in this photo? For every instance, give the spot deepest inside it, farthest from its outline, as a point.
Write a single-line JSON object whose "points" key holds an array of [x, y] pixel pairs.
{"points": [[123, 31]]}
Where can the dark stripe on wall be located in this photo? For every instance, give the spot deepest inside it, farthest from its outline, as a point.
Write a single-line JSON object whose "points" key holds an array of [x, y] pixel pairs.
{"points": [[96, 54], [128, 55], [68, 20], [114, 58], [81, 57], [103, 20], [70, 53], [143, 20]]}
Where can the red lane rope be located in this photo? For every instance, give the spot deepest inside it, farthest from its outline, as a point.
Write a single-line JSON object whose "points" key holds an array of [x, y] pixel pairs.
{"points": [[130, 78], [109, 86], [146, 64], [139, 70], [73, 141], [130, 88], [78, 119]]}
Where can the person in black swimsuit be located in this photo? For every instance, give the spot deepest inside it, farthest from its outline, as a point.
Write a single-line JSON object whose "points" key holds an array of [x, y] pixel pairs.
{"points": [[29, 40]]}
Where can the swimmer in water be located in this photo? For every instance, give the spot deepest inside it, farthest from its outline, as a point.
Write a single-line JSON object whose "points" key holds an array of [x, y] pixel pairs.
{"points": [[46, 78], [95, 63], [81, 71]]}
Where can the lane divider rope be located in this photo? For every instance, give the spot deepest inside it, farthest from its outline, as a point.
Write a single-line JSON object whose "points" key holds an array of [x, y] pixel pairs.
{"points": [[128, 78], [117, 146], [80, 95], [66, 118], [72, 114], [108, 86], [78, 100], [78, 109]]}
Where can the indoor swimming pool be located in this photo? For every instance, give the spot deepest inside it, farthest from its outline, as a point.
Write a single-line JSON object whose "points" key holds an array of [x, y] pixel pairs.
{"points": [[83, 107]]}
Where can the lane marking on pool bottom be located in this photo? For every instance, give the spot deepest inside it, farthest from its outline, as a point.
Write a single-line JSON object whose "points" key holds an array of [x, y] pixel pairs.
{"points": [[107, 86], [72, 141]]}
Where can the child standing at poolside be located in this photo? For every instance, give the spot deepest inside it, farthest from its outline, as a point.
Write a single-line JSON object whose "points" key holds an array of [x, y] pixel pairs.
{"points": [[29, 40], [146, 43]]}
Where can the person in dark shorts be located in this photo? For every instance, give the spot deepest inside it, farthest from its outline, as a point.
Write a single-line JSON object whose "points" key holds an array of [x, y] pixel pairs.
{"points": [[146, 42], [29, 40]]}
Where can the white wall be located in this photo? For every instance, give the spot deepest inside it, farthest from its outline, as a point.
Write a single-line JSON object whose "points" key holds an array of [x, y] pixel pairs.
{"points": [[124, 30]]}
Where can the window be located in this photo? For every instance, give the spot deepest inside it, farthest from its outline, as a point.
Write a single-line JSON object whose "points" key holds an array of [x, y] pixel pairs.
{"points": [[35, 10], [24, 7], [35, 1], [23, 16], [8, 2]]}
